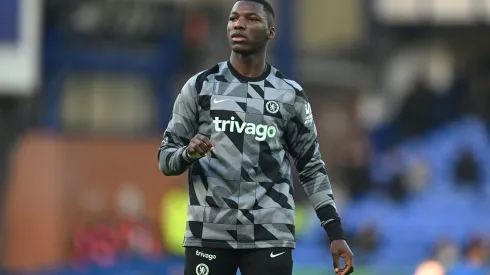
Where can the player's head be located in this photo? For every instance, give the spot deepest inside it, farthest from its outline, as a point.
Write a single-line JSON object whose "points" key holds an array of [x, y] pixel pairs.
{"points": [[250, 26]]}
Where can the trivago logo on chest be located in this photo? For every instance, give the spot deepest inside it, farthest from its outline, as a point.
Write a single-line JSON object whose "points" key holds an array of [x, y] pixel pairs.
{"points": [[260, 131]]}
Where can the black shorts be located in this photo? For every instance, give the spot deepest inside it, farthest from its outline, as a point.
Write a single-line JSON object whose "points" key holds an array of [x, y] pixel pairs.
{"points": [[212, 261]]}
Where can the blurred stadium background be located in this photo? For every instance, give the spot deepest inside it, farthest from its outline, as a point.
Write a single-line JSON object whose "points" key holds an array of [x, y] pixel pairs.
{"points": [[401, 97]]}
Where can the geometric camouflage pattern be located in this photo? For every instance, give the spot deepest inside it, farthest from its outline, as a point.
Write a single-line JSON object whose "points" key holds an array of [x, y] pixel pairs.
{"points": [[241, 193]]}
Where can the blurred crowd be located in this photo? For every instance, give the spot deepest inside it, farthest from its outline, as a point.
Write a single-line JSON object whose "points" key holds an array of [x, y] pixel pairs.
{"points": [[429, 95]]}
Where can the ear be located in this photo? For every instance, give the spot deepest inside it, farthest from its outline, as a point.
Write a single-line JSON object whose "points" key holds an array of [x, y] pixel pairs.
{"points": [[272, 33]]}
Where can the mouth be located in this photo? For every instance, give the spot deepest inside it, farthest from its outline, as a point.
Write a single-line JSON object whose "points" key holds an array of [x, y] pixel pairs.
{"points": [[238, 37]]}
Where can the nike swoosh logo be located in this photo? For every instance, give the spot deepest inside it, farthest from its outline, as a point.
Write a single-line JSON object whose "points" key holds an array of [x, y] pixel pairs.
{"points": [[275, 255], [219, 101]]}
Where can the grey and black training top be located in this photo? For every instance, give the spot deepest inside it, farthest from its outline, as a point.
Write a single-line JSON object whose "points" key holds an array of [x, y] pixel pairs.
{"points": [[241, 193]]}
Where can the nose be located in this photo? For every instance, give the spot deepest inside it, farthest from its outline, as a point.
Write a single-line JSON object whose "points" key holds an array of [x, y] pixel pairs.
{"points": [[239, 24]]}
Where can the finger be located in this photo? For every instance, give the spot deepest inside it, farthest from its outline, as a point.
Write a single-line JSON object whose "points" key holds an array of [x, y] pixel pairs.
{"points": [[349, 265], [336, 263], [349, 260], [203, 147], [207, 142], [347, 270], [196, 149], [204, 139], [201, 137], [190, 149]]}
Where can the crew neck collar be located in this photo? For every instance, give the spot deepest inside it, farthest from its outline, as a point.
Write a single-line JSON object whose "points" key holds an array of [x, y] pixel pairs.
{"points": [[241, 77]]}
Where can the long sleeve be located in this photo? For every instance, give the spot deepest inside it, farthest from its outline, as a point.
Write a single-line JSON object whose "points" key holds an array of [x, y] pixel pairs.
{"points": [[302, 142], [182, 128]]}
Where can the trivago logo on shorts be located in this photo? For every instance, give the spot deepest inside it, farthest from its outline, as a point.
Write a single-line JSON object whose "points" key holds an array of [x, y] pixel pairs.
{"points": [[260, 131], [204, 255]]}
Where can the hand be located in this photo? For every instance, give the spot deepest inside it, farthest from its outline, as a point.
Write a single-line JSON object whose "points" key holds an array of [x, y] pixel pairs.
{"points": [[340, 249], [199, 145]]}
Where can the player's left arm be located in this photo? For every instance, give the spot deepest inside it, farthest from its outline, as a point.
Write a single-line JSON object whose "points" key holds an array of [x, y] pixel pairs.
{"points": [[302, 142], [304, 148]]}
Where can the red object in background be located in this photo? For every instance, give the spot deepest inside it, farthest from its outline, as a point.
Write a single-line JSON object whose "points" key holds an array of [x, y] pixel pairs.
{"points": [[61, 186], [102, 253], [141, 238], [113, 237], [100, 244]]}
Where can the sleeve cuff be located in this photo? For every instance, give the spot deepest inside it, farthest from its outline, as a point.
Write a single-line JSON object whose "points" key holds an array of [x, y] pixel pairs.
{"points": [[187, 158], [334, 230], [331, 222], [185, 155]]}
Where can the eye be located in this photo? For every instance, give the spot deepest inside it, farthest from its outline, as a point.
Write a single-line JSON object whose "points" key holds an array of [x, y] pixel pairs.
{"points": [[232, 18], [253, 19]]}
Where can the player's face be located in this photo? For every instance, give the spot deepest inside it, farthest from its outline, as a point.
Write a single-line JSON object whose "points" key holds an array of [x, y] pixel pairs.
{"points": [[248, 30]]}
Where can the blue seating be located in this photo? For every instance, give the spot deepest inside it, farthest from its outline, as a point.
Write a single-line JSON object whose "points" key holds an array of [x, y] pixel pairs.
{"points": [[442, 210]]}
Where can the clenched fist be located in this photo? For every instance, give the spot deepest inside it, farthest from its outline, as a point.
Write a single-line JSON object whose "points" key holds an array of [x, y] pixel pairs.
{"points": [[199, 146]]}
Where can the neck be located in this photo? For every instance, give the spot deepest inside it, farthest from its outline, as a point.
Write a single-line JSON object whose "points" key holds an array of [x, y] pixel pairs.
{"points": [[248, 65]]}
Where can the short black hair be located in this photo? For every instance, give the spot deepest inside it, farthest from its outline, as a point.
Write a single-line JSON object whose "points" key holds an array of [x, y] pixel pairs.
{"points": [[267, 9]]}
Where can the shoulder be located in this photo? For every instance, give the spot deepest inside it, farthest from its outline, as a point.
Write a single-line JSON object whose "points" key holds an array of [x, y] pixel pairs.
{"points": [[284, 82], [197, 81]]}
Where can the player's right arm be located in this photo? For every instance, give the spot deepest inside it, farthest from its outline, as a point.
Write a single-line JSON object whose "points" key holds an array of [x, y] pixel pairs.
{"points": [[181, 144]]}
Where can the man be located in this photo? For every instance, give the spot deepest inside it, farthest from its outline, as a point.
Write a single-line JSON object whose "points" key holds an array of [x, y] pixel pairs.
{"points": [[234, 126]]}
